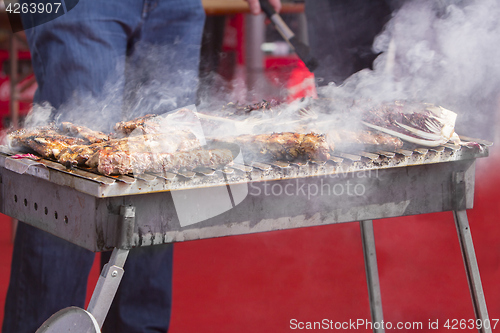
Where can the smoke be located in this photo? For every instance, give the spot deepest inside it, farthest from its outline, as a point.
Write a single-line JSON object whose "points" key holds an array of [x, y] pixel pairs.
{"points": [[160, 79], [154, 79], [441, 52], [39, 115]]}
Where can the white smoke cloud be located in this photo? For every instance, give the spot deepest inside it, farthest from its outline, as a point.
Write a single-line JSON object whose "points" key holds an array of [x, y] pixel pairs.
{"points": [[154, 82], [442, 52]]}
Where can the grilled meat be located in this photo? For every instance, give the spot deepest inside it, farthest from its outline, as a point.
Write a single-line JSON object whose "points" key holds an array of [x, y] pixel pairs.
{"points": [[44, 140], [50, 146], [360, 139], [388, 115], [111, 162], [22, 136], [157, 143], [287, 146], [142, 125], [83, 132], [148, 148], [79, 154], [315, 147]]}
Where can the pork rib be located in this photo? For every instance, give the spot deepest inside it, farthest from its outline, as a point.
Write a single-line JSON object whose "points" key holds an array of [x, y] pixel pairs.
{"points": [[157, 143], [142, 125], [362, 139], [44, 140], [83, 132], [112, 162], [287, 146]]}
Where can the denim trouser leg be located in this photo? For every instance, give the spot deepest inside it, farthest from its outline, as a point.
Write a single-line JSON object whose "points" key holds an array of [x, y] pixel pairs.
{"points": [[144, 298], [47, 274], [81, 61], [162, 66]]}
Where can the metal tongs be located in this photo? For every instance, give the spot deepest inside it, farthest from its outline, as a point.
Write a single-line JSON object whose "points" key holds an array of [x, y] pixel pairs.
{"points": [[301, 49], [437, 129]]}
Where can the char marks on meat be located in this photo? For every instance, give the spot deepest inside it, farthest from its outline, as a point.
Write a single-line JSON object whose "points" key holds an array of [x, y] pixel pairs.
{"points": [[150, 143], [389, 115], [79, 154], [148, 152], [362, 139], [50, 146], [45, 140], [110, 162], [83, 132], [286, 146], [143, 125], [22, 136], [418, 123]]}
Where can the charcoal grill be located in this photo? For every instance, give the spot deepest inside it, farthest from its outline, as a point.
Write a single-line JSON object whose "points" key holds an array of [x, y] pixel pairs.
{"points": [[103, 213]]}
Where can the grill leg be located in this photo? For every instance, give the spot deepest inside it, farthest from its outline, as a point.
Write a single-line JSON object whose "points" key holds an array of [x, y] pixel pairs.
{"points": [[107, 285], [370, 255], [112, 272], [472, 269]]}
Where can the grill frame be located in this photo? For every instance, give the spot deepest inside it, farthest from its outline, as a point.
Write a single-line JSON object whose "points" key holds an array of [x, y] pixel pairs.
{"points": [[244, 172], [86, 211]]}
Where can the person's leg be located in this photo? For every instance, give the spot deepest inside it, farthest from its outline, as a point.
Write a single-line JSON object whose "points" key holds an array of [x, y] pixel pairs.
{"points": [[47, 275], [143, 301], [79, 60], [162, 67], [74, 58]]}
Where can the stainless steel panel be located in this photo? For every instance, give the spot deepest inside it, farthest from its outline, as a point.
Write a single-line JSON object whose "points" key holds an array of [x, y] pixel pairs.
{"points": [[59, 210]]}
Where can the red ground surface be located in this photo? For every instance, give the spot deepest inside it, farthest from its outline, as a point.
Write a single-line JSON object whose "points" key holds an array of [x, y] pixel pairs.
{"points": [[258, 283]]}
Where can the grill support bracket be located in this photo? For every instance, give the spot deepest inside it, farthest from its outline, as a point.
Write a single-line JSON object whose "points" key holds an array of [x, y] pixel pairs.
{"points": [[112, 272], [126, 227]]}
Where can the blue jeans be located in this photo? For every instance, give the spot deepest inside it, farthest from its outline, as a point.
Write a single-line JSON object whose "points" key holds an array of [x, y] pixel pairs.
{"points": [[99, 63]]}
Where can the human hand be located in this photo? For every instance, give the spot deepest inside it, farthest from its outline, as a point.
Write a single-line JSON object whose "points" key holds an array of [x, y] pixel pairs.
{"points": [[255, 6]]}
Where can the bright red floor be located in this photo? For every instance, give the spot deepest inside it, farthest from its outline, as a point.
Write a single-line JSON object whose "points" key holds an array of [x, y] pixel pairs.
{"points": [[258, 283]]}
